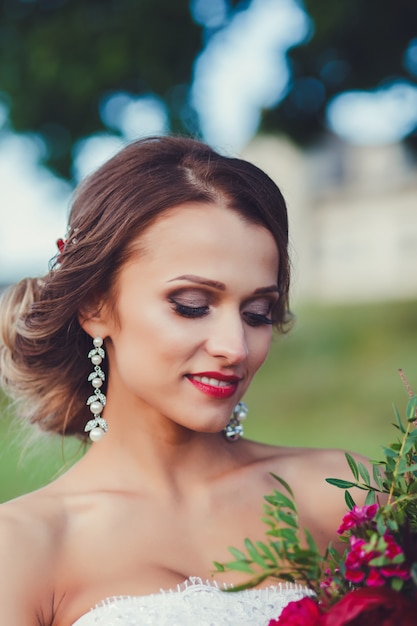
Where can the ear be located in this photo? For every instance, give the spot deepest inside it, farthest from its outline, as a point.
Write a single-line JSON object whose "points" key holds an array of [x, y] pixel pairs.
{"points": [[94, 318]]}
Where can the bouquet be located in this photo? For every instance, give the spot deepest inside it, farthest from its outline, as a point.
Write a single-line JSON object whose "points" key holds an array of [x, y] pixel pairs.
{"points": [[374, 582]]}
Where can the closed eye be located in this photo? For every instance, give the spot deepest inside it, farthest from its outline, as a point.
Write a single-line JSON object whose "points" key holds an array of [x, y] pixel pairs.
{"points": [[258, 312], [186, 310], [257, 319]]}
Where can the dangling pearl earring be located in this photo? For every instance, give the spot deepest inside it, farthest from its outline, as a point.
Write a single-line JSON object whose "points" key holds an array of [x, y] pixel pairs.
{"points": [[234, 429], [97, 427]]}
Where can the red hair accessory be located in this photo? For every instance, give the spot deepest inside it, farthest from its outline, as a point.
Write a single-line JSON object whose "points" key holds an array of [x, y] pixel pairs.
{"points": [[61, 243]]}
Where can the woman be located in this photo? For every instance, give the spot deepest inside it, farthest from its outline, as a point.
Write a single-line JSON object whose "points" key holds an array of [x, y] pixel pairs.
{"points": [[157, 313]]}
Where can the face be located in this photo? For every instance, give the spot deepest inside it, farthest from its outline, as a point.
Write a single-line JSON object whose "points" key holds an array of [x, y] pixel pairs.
{"points": [[193, 318]]}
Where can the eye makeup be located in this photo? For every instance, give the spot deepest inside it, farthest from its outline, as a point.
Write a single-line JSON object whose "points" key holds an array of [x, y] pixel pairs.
{"points": [[196, 303], [190, 303]]}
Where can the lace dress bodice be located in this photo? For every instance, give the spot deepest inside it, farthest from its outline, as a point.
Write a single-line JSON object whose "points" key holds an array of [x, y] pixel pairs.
{"points": [[195, 603]]}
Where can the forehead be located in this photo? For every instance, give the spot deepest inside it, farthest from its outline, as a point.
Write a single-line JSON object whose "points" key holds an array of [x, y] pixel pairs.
{"points": [[209, 239], [203, 228]]}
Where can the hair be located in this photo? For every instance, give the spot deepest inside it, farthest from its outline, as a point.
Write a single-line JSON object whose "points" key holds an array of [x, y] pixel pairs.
{"points": [[43, 348]]}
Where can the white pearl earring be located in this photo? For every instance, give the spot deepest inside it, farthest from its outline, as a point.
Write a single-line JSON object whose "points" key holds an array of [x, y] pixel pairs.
{"points": [[96, 427], [234, 429]]}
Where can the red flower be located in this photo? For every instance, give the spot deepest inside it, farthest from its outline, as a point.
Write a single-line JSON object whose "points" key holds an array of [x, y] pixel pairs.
{"points": [[357, 516], [304, 612], [371, 607], [375, 579], [357, 560], [399, 570], [393, 549]]}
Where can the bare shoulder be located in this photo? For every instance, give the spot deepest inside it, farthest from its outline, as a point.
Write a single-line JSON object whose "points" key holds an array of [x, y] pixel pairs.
{"points": [[329, 462], [29, 527], [306, 469], [320, 504], [318, 462]]}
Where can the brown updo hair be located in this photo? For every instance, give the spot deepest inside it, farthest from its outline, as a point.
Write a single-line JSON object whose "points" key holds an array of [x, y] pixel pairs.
{"points": [[43, 348]]}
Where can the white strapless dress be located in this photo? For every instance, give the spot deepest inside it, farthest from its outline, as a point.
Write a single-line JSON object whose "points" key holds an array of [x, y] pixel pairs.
{"points": [[195, 603]]}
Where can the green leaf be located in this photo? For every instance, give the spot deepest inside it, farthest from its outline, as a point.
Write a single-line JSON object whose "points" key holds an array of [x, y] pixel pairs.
{"points": [[411, 409], [310, 541], [288, 519], [276, 545], [219, 566], [237, 554], [364, 473], [389, 453], [289, 534], [288, 577], [408, 445], [370, 498], [397, 584], [239, 566], [283, 483], [349, 500], [267, 520], [408, 468], [381, 526], [267, 552], [333, 553], [342, 484], [278, 499], [399, 420], [254, 554], [401, 466], [352, 464], [376, 469]]}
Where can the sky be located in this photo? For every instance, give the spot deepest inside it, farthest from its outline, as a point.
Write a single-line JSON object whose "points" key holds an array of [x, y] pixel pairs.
{"points": [[242, 70]]}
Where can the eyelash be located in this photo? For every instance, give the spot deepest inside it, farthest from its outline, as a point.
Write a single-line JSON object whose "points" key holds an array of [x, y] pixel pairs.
{"points": [[256, 319], [252, 319], [189, 311]]}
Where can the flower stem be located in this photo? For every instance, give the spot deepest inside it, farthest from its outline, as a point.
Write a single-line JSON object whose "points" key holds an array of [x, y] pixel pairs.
{"points": [[407, 431]]}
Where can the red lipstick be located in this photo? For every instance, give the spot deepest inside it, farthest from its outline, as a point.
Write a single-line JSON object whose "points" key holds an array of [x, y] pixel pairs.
{"points": [[215, 384]]}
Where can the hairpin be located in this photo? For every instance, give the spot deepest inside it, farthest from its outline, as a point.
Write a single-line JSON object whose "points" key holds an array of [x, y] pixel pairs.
{"points": [[61, 243]]}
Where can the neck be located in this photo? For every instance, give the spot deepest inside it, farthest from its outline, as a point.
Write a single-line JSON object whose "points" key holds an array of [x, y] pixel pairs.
{"points": [[169, 462]]}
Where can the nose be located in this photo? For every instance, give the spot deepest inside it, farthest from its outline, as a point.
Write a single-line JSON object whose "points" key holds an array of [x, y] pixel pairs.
{"points": [[227, 339]]}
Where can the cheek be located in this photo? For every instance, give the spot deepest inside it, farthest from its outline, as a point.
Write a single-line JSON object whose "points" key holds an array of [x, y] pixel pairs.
{"points": [[154, 332], [258, 347]]}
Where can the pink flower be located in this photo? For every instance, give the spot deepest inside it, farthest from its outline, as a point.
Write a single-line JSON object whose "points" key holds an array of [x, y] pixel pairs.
{"points": [[359, 555], [304, 612], [357, 516], [395, 571], [375, 579], [393, 550], [359, 565], [354, 575], [328, 581], [357, 560]]}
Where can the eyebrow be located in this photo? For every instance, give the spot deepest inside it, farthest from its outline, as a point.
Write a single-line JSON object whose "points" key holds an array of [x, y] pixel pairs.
{"points": [[215, 284]]}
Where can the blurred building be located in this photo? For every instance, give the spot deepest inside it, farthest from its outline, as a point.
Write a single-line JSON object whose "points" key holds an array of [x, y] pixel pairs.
{"points": [[353, 217]]}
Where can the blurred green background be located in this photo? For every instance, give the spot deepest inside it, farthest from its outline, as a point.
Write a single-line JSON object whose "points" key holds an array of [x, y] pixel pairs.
{"points": [[80, 78], [330, 382]]}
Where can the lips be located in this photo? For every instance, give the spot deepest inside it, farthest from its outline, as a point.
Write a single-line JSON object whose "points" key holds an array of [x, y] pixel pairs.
{"points": [[214, 384]]}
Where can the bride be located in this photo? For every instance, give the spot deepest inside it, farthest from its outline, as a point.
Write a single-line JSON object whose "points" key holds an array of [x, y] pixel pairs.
{"points": [[143, 339]]}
